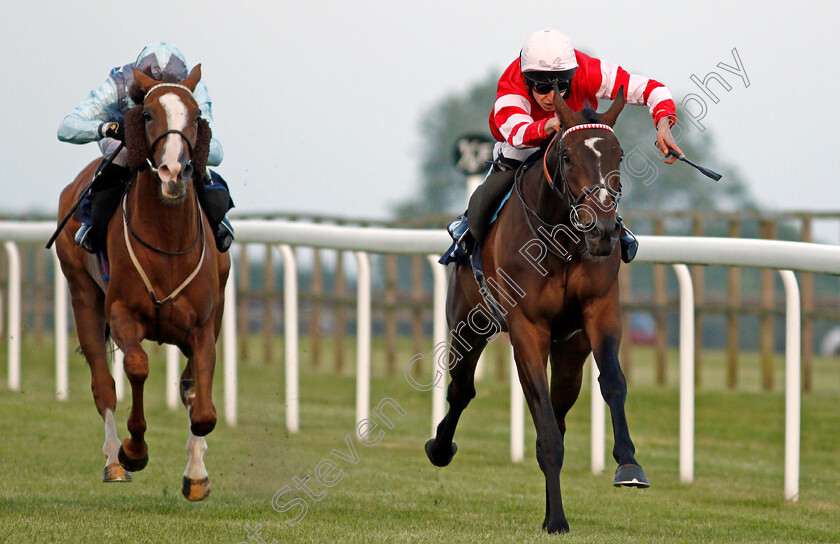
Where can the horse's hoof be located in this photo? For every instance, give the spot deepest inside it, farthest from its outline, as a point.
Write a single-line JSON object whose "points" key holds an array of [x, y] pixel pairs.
{"points": [[555, 528], [631, 476], [439, 460], [115, 473], [195, 490], [131, 464]]}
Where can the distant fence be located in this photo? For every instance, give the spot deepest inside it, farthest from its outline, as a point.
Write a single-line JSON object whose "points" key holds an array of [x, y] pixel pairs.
{"points": [[401, 295]]}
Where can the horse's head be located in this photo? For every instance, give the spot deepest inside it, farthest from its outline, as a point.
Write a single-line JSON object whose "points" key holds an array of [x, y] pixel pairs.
{"points": [[585, 165], [166, 132]]}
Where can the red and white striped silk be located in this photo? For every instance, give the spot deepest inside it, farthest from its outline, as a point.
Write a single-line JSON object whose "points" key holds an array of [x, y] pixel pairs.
{"points": [[518, 120]]}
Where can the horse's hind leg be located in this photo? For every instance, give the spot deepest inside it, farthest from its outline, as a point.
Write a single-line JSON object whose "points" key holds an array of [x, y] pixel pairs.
{"points": [[134, 453], [88, 302], [567, 359], [465, 348]]}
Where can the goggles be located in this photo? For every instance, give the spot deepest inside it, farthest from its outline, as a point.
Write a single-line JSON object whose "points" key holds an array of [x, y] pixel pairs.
{"points": [[545, 82]]}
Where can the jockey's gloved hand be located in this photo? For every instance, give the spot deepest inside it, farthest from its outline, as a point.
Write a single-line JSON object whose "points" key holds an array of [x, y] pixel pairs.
{"points": [[112, 129]]}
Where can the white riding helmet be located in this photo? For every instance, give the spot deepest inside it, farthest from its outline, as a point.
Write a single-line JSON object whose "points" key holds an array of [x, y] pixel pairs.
{"points": [[548, 62], [547, 51], [161, 61]]}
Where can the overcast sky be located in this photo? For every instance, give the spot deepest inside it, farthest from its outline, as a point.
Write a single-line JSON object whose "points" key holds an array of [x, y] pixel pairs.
{"points": [[318, 104]]}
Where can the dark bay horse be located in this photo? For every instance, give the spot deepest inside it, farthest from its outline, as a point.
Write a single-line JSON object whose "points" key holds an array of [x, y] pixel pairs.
{"points": [[166, 277], [551, 263]]}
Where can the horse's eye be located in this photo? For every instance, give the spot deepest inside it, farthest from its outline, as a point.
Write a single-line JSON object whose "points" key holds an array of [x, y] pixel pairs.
{"points": [[566, 158], [147, 116]]}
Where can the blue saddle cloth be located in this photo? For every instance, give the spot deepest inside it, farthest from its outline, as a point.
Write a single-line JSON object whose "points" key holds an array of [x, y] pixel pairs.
{"points": [[456, 255]]}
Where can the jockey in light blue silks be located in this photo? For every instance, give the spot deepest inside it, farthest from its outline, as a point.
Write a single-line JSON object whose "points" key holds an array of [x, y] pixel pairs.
{"points": [[100, 117]]}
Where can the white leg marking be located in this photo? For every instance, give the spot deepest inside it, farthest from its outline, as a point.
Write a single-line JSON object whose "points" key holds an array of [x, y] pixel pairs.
{"points": [[112, 442], [196, 446]]}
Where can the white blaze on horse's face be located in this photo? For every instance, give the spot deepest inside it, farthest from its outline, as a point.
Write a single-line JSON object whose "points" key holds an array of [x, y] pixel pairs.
{"points": [[603, 194], [169, 168]]}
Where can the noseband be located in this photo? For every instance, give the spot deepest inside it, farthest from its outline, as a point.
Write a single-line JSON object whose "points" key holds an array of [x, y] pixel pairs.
{"points": [[166, 133], [565, 192]]}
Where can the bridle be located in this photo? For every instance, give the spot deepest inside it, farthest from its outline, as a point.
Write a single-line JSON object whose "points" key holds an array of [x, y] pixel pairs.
{"points": [[166, 133], [565, 192], [156, 302]]}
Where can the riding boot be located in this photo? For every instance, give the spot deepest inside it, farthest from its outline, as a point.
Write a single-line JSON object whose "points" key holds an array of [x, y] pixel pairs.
{"points": [[108, 176], [629, 244], [460, 232]]}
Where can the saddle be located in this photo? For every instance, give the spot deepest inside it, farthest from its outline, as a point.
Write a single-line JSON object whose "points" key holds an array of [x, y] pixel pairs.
{"points": [[482, 211]]}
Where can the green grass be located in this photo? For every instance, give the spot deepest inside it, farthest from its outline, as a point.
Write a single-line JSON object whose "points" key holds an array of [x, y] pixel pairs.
{"points": [[51, 465]]}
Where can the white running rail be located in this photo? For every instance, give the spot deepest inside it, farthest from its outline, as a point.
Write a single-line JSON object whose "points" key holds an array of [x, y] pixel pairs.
{"points": [[678, 251]]}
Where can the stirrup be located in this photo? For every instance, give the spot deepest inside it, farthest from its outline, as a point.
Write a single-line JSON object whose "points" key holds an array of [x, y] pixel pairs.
{"points": [[629, 244], [83, 238], [459, 230], [224, 235]]}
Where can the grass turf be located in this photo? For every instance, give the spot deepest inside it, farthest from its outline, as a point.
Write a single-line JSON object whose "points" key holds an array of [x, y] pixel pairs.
{"points": [[51, 465]]}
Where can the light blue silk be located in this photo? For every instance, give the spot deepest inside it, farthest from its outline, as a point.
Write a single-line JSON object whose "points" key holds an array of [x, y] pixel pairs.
{"points": [[104, 104]]}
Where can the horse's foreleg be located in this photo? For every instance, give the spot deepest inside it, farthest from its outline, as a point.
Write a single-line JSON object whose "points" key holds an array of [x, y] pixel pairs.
{"points": [[196, 393], [88, 302], [465, 347], [202, 362], [196, 483], [530, 349], [134, 453], [602, 323]]}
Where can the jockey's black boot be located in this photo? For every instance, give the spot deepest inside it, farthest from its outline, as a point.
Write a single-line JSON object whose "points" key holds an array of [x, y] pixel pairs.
{"points": [[108, 176], [629, 244], [460, 232]]}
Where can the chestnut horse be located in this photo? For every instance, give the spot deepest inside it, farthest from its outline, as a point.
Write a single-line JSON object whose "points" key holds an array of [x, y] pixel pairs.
{"points": [[166, 277], [552, 260]]}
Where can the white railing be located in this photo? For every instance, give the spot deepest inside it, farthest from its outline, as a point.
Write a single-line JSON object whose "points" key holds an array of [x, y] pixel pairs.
{"points": [[677, 251]]}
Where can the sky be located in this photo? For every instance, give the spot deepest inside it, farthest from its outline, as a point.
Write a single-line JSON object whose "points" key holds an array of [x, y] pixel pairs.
{"points": [[318, 105]]}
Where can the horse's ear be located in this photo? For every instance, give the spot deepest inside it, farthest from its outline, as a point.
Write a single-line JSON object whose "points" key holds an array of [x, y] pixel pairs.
{"points": [[136, 145], [611, 115], [194, 77], [143, 80], [567, 116], [201, 149]]}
